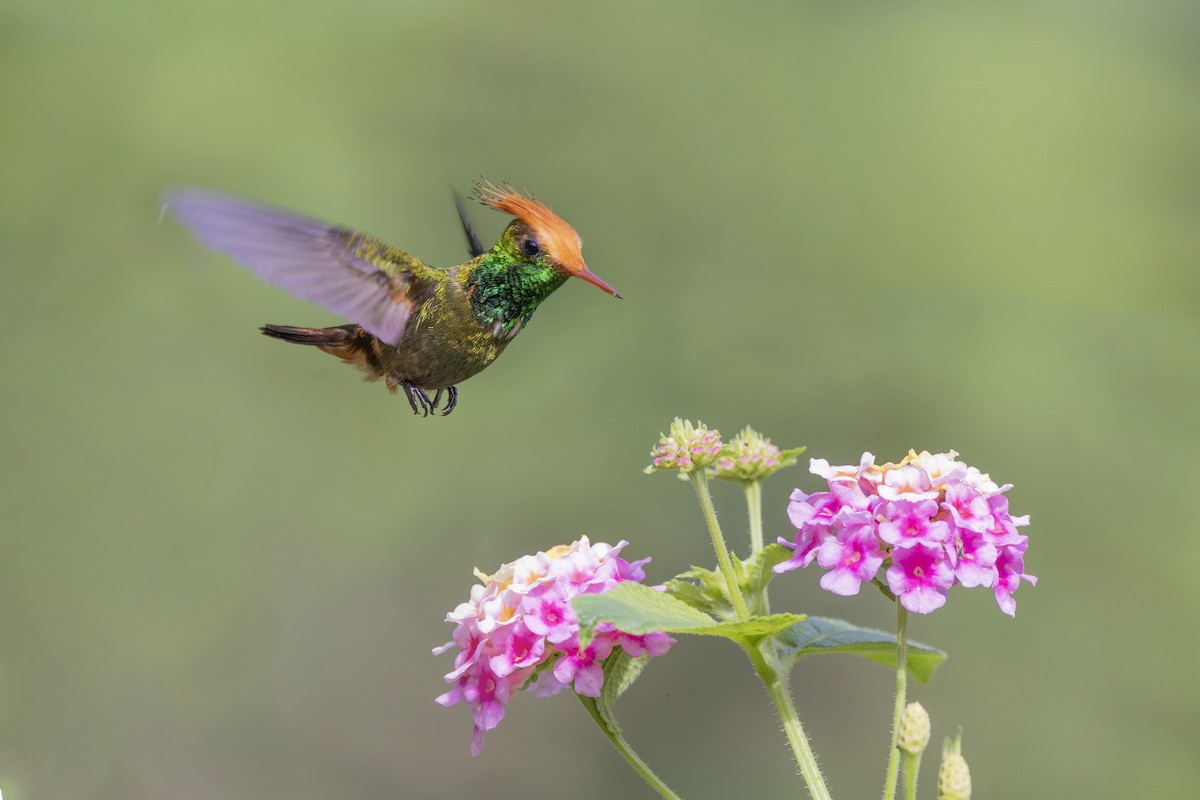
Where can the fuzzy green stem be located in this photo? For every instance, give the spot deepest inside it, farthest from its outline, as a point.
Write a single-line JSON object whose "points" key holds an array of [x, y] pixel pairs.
{"points": [[766, 662], [754, 505], [700, 482], [627, 752], [912, 765], [893, 767]]}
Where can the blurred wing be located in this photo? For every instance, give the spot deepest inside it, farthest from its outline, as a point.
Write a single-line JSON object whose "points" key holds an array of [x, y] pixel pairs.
{"points": [[474, 246], [351, 274]]}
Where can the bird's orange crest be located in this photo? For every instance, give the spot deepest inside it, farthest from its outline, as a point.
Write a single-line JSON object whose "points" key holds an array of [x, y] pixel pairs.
{"points": [[561, 241]]}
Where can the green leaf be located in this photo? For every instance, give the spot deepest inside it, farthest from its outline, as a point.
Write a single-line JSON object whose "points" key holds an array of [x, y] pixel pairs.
{"points": [[768, 557], [638, 609], [826, 635], [754, 629], [703, 590], [698, 597], [757, 570], [789, 456]]}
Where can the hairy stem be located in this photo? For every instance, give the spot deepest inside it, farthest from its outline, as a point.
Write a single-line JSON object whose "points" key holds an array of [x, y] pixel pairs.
{"points": [[754, 506], [733, 588], [618, 741], [911, 766], [889, 784], [770, 671]]}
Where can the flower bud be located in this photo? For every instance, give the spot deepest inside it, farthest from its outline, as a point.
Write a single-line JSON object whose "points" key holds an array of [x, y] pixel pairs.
{"points": [[914, 730], [686, 448], [954, 777], [750, 456]]}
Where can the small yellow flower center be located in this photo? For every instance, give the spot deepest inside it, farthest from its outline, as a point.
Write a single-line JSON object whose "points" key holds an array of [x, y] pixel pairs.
{"points": [[558, 551]]}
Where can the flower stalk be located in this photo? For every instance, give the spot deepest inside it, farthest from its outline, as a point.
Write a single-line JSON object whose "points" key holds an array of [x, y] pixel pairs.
{"points": [[626, 750], [774, 677], [893, 767], [700, 483], [754, 507], [912, 764]]}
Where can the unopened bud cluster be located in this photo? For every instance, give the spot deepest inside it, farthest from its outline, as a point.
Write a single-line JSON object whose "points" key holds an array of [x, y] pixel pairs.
{"points": [[686, 447], [913, 737], [750, 456], [954, 777]]}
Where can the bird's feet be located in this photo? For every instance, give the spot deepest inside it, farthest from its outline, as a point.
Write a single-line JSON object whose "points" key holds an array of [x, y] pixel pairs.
{"points": [[451, 401], [420, 402]]}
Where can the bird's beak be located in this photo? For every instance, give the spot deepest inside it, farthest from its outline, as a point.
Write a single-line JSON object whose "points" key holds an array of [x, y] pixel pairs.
{"points": [[595, 280]]}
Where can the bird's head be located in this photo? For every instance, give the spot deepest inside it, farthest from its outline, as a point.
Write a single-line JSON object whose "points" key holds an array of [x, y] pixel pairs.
{"points": [[538, 235]]}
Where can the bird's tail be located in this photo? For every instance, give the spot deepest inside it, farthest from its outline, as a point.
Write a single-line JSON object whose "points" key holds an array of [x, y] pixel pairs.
{"points": [[340, 336], [348, 342]]}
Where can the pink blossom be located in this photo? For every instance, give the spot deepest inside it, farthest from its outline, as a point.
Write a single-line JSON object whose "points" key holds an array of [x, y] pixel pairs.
{"points": [[851, 558], [1010, 571], [920, 576], [976, 560], [487, 694], [519, 647], [548, 614], [813, 515], [909, 483], [969, 507], [631, 570], [545, 684], [581, 665], [906, 523], [519, 625], [942, 468], [1004, 529], [851, 496], [931, 520], [648, 644]]}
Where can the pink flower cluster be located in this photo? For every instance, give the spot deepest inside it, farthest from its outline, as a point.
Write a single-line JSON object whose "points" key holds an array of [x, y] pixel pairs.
{"points": [[519, 624], [934, 520]]}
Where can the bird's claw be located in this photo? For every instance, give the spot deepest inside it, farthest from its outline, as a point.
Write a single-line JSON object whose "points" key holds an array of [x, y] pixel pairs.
{"points": [[421, 404], [451, 402]]}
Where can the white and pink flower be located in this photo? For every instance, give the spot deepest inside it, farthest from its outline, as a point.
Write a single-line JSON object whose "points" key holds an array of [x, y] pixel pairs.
{"points": [[519, 625]]}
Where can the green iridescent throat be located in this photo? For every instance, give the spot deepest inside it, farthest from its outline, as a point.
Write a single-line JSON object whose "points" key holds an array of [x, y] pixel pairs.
{"points": [[508, 291]]}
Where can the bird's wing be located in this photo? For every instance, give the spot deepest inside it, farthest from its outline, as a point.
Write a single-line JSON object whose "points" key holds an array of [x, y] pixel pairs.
{"points": [[474, 246], [350, 273]]}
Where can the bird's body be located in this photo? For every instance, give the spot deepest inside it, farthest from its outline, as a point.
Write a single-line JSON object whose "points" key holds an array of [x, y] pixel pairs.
{"points": [[417, 327], [450, 335]]}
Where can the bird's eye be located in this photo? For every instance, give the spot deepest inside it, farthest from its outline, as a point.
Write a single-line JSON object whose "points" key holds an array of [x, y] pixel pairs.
{"points": [[530, 247]]}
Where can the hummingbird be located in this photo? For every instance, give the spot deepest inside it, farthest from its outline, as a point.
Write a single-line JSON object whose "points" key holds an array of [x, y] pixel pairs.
{"points": [[421, 329]]}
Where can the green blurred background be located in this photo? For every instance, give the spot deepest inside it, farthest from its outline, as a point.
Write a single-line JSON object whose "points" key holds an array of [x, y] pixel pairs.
{"points": [[857, 226]]}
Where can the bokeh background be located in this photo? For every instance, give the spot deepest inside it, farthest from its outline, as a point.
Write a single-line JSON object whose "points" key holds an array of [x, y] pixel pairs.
{"points": [[856, 226]]}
